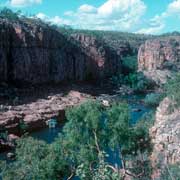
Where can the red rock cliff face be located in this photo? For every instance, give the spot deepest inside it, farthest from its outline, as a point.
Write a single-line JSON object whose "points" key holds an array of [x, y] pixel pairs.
{"points": [[165, 136], [105, 60], [33, 53], [156, 54], [159, 57]]}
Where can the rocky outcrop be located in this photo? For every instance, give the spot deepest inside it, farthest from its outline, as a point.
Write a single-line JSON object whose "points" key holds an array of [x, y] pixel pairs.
{"points": [[33, 52], [106, 60], [35, 114], [165, 137], [8, 143], [159, 57]]}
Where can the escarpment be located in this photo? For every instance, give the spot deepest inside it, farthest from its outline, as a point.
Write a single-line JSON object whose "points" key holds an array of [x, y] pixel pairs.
{"points": [[36, 53], [165, 137], [160, 57]]}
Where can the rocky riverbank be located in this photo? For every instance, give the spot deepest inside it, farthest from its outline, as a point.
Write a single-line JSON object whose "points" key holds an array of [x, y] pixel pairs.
{"points": [[27, 113], [37, 111], [165, 137]]}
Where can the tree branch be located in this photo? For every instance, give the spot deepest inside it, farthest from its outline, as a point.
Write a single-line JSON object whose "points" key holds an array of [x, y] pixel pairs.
{"points": [[172, 178], [127, 172], [112, 168], [71, 176], [96, 141]]}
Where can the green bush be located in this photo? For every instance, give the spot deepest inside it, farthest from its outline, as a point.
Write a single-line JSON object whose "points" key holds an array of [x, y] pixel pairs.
{"points": [[117, 80], [9, 14], [137, 81], [171, 172], [153, 99], [130, 64], [172, 87]]}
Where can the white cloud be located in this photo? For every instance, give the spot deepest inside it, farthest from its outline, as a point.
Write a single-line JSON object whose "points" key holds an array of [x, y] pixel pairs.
{"points": [[112, 15], [151, 30], [22, 3], [159, 22], [41, 16], [174, 8], [119, 15], [87, 9], [53, 20]]}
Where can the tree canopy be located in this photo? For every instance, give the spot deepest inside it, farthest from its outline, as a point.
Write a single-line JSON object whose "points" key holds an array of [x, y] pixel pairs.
{"points": [[83, 147]]}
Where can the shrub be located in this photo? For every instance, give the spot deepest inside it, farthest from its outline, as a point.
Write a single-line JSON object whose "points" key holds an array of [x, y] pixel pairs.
{"points": [[171, 172], [117, 80], [9, 14], [172, 87], [137, 81], [129, 64], [153, 99]]}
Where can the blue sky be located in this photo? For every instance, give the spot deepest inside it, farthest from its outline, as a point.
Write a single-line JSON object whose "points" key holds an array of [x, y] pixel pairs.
{"points": [[141, 16]]}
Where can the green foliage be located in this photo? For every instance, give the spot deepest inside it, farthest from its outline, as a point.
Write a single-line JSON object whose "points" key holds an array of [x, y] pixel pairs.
{"points": [[148, 118], [172, 89], [4, 135], [114, 38], [22, 126], [102, 170], [9, 14], [30, 156], [118, 124], [171, 172], [90, 130], [153, 99], [137, 81], [117, 80], [129, 63], [142, 83], [78, 138]]}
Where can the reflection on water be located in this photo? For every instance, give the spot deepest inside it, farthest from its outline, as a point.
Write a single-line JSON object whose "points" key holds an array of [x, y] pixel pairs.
{"points": [[137, 111], [48, 134]]}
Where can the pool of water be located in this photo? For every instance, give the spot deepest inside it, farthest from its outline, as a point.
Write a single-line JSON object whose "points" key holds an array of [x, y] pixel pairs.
{"points": [[47, 134], [137, 111]]}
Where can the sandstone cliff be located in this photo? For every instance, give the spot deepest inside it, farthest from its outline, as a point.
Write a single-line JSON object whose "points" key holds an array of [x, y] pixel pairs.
{"points": [[33, 52], [165, 137], [160, 57]]}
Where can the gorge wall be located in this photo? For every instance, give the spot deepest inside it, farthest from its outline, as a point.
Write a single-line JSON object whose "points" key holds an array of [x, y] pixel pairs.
{"points": [[165, 137], [36, 53], [159, 57]]}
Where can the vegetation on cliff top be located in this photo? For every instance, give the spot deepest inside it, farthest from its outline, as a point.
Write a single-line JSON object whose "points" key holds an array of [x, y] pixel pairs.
{"points": [[171, 90]]}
